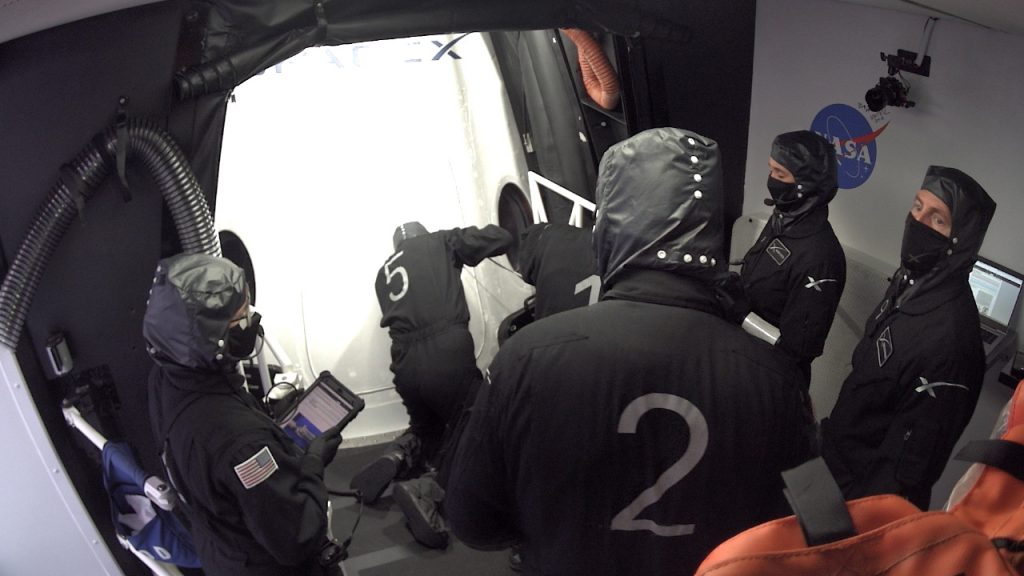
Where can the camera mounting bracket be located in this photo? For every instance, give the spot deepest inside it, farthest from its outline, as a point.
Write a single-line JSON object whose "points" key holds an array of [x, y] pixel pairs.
{"points": [[906, 61]]}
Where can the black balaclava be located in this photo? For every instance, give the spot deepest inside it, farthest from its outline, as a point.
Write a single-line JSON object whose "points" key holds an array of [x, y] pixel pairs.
{"points": [[971, 209], [922, 247], [660, 206], [191, 305], [242, 340], [406, 231], [812, 161]]}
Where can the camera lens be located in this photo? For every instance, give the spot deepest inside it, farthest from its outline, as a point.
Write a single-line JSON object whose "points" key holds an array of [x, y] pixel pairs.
{"points": [[875, 98]]}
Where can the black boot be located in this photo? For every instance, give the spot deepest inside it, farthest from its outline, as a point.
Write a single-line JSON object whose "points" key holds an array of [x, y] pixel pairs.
{"points": [[375, 478], [419, 500]]}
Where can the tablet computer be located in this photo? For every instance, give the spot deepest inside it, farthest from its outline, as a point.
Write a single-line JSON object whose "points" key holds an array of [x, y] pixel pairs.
{"points": [[325, 404]]}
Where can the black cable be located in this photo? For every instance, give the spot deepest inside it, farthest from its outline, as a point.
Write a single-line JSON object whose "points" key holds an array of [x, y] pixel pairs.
{"points": [[503, 267], [359, 498], [906, 82], [266, 397]]}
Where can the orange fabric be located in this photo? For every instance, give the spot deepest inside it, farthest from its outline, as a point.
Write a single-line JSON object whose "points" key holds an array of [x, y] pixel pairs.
{"points": [[599, 78], [1016, 416], [995, 504], [894, 538]]}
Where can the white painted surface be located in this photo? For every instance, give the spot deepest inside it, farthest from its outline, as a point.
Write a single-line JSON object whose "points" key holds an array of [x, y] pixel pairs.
{"points": [[325, 155], [812, 53], [1004, 15], [45, 528]]}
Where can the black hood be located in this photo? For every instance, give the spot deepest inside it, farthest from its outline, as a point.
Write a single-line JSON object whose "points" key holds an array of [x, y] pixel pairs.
{"points": [[660, 206], [193, 299], [812, 161], [972, 210], [406, 231], [971, 207]]}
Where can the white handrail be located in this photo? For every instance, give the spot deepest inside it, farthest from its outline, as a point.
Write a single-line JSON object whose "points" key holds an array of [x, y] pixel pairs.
{"points": [[264, 370], [537, 203], [75, 420]]}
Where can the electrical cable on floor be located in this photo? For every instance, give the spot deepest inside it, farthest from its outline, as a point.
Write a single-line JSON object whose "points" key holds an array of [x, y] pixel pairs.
{"points": [[359, 498]]}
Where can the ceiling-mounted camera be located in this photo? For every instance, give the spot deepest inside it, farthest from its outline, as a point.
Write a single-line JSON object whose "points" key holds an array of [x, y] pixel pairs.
{"points": [[888, 92], [893, 90]]}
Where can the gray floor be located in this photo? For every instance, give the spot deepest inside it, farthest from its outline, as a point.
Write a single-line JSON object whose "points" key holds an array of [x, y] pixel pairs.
{"points": [[383, 546]]}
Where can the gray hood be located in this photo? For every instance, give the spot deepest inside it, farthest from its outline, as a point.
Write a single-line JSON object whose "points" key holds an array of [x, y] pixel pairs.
{"points": [[660, 206], [193, 299]]}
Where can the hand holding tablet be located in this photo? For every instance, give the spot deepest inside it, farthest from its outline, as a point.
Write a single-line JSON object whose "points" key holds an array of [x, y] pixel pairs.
{"points": [[324, 409]]}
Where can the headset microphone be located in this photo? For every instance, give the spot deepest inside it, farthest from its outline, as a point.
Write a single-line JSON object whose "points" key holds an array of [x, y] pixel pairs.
{"points": [[781, 204]]}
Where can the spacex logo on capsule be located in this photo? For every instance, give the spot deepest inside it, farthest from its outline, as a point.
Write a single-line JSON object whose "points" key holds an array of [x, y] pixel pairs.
{"points": [[854, 140]]}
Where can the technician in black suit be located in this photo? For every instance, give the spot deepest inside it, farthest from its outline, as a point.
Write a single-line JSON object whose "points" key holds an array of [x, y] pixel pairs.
{"points": [[419, 289], [634, 435], [558, 260], [794, 275], [918, 370]]}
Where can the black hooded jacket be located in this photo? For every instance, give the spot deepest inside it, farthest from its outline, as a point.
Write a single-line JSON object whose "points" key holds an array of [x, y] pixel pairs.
{"points": [[256, 502], [419, 287], [794, 275], [423, 306], [558, 260], [633, 435], [918, 370]]}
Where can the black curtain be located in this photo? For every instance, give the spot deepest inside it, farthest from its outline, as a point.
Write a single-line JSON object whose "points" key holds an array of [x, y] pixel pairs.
{"points": [[242, 38]]}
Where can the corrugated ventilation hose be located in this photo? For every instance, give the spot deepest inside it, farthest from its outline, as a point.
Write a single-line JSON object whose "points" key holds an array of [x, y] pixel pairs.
{"points": [[77, 182], [599, 78]]}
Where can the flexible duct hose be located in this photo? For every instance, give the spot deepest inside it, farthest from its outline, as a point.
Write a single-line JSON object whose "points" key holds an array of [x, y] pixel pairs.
{"points": [[78, 180], [599, 78]]}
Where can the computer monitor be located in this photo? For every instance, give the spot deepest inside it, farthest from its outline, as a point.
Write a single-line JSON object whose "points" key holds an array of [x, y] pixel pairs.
{"points": [[996, 292]]}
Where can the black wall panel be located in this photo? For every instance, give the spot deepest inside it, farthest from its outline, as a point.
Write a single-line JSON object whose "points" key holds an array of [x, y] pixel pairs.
{"points": [[58, 89], [704, 84]]}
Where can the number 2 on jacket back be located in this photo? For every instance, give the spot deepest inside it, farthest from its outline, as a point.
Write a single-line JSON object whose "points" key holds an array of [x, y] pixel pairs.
{"points": [[389, 275], [626, 519]]}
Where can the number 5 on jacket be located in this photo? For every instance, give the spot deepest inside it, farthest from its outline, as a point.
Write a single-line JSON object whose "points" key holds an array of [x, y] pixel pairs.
{"points": [[389, 275]]}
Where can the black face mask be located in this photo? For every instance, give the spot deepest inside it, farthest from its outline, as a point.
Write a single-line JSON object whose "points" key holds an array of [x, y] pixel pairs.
{"points": [[922, 246], [783, 193], [242, 341]]}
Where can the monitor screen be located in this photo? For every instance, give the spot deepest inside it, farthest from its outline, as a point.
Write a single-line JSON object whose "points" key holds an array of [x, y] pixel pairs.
{"points": [[996, 291]]}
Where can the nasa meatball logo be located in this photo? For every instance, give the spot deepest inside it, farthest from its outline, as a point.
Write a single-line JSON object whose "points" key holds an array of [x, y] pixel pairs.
{"points": [[851, 135]]}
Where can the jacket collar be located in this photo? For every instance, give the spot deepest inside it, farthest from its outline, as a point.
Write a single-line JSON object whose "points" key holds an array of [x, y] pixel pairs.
{"points": [[201, 381], [903, 297], [801, 226], [929, 298], [667, 288]]}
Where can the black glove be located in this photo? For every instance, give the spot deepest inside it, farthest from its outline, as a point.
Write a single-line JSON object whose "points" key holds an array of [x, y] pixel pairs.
{"points": [[732, 298], [325, 446]]}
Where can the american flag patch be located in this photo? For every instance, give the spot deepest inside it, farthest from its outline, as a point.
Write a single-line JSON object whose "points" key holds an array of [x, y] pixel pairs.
{"points": [[256, 469]]}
